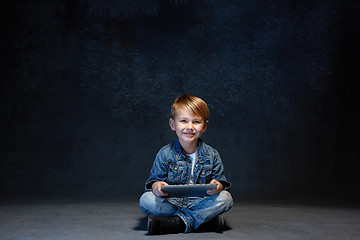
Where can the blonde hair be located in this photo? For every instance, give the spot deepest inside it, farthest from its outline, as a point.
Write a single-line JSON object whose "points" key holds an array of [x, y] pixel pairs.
{"points": [[191, 104]]}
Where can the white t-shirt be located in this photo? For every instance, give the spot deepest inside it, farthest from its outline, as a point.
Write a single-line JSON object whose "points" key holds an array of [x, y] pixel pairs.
{"points": [[193, 157]]}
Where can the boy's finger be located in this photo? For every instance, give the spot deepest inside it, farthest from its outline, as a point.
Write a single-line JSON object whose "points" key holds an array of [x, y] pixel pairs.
{"points": [[211, 192]]}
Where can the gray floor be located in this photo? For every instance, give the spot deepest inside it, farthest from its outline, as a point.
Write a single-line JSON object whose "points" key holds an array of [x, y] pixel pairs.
{"points": [[60, 220]]}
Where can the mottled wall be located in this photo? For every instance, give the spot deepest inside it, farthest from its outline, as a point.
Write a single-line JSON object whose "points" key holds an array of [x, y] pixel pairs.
{"points": [[86, 88]]}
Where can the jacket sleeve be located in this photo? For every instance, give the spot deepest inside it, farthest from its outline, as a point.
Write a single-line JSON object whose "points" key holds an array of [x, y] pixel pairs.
{"points": [[218, 172], [158, 171]]}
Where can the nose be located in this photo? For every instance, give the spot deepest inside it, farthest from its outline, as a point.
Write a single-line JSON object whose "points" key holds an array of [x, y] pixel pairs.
{"points": [[190, 126]]}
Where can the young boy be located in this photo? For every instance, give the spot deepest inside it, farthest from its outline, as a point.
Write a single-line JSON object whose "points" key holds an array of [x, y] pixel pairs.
{"points": [[187, 160]]}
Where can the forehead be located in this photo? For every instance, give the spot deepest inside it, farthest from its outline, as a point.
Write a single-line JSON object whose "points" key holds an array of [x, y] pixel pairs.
{"points": [[184, 113]]}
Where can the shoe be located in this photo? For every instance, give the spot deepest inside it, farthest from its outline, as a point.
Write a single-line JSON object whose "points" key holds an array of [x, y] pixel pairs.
{"points": [[216, 224], [165, 225]]}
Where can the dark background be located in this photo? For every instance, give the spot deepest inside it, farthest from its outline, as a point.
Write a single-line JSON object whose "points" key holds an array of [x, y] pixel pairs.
{"points": [[86, 90]]}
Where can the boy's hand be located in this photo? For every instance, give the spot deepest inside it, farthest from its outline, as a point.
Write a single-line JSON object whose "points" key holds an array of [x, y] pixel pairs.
{"points": [[216, 190], [156, 189]]}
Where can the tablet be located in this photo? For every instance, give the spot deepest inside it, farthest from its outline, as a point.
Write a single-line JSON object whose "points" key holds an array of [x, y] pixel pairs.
{"points": [[188, 190]]}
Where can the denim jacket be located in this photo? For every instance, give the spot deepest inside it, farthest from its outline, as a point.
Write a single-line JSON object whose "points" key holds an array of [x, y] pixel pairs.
{"points": [[173, 166]]}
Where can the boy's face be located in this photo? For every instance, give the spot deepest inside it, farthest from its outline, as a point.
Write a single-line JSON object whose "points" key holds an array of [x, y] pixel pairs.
{"points": [[188, 127]]}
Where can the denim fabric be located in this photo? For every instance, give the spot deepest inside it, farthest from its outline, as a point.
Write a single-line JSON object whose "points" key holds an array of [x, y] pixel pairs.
{"points": [[173, 166], [193, 211]]}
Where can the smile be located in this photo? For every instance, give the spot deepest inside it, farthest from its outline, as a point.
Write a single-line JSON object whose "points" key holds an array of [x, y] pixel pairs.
{"points": [[189, 133]]}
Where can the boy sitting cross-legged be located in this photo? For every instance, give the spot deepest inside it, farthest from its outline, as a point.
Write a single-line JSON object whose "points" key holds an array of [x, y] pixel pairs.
{"points": [[187, 160]]}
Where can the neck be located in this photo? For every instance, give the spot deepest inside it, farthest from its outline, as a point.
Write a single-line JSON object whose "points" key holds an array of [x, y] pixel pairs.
{"points": [[189, 148]]}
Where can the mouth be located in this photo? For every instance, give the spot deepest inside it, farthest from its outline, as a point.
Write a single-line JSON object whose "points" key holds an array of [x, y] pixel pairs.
{"points": [[188, 133]]}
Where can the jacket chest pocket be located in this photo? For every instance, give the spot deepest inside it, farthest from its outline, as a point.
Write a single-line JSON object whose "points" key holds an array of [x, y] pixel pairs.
{"points": [[205, 174], [176, 171]]}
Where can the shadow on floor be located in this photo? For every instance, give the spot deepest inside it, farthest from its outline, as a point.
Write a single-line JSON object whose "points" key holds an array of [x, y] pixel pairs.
{"points": [[142, 226]]}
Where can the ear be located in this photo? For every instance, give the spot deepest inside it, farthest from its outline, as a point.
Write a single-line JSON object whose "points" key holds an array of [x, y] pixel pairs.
{"points": [[172, 124]]}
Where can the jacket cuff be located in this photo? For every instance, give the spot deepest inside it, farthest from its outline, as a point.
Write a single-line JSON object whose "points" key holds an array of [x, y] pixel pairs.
{"points": [[226, 184], [149, 184]]}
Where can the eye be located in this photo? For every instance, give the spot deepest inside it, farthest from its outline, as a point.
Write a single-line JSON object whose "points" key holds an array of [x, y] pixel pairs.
{"points": [[182, 120], [197, 122]]}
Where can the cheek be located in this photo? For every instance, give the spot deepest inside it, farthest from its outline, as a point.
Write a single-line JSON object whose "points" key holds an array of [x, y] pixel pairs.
{"points": [[200, 130], [179, 129]]}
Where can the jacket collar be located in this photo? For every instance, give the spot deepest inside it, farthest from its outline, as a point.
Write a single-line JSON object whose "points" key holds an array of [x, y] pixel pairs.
{"points": [[202, 151]]}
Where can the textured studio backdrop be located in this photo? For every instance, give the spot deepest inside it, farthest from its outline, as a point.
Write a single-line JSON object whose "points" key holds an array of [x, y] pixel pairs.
{"points": [[86, 90]]}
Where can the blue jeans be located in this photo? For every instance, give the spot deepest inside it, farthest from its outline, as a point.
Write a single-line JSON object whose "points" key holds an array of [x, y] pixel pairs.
{"points": [[193, 211]]}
